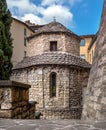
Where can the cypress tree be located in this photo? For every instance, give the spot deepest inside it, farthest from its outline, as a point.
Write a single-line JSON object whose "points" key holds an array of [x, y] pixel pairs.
{"points": [[5, 41]]}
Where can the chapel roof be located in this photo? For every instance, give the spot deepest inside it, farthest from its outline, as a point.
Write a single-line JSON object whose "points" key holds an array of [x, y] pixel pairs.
{"points": [[53, 27], [53, 58]]}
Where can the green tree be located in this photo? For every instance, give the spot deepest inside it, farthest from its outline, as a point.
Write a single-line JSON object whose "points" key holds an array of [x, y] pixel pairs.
{"points": [[5, 41]]}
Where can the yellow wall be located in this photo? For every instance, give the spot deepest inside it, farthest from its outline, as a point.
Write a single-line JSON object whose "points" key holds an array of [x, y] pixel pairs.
{"points": [[84, 49], [91, 53], [17, 31]]}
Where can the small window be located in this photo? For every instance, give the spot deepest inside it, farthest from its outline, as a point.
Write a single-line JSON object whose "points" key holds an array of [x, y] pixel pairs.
{"points": [[92, 53], [25, 32], [82, 56], [90, 58], [25, 54], [24, 41], [36, 29], [53, 46], [53, 85], [82, 43]]}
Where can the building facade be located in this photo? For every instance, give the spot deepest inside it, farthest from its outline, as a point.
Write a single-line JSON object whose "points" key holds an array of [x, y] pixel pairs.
{"points": [[55, 71], [91, 49], [19, 31], [87, 47]]}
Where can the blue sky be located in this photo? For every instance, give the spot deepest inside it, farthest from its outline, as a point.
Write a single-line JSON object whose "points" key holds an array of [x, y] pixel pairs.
{"points": [[80, 16]]}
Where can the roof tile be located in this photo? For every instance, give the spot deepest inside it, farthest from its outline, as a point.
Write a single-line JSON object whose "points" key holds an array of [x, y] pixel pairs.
{"points": [[53, 58], [53, 27]]}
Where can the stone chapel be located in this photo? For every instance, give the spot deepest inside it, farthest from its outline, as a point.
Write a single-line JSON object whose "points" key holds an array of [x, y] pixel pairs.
{"points": [[55, 71]]}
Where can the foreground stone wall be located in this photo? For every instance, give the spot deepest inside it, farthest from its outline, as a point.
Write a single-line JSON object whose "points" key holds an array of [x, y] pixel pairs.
{"points": [[95, 102], [14, 101], [65, 43], [61, 113], [70, 85]]}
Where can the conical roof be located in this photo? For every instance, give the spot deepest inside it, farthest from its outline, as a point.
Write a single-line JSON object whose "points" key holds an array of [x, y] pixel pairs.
{"points": [[53, 27], [53, 58]]}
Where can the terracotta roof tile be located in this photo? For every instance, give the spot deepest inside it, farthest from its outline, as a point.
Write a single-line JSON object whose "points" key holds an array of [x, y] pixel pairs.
{"points": [[53, 58]]}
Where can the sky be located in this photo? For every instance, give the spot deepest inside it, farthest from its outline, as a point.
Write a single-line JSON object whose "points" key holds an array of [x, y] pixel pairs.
{"points": [[80, 16]]}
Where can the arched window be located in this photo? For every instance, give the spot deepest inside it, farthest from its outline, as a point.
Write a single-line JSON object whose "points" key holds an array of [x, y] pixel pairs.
{"points": [[53, 85]]}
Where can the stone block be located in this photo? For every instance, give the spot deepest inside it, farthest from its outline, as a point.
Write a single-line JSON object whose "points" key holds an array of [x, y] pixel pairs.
{"points": [[6, 114], [14, 100], [6, 105]]}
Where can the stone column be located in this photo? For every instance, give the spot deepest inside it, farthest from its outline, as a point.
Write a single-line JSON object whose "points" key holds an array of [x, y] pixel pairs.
{"points": [[95, 102]]}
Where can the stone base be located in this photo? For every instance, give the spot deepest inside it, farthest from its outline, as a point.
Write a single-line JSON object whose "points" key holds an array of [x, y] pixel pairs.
{"points": [[61, 113], [14, 101]]}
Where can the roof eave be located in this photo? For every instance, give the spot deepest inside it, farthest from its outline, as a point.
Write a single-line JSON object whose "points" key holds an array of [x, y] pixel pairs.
{"points": [[26, 67], [40, 33]]}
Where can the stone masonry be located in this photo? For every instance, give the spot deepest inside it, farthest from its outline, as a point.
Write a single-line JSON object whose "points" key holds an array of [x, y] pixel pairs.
{"points": [[65, 44], [14, 101], [95, 102], [71, 72], [71, 83]]}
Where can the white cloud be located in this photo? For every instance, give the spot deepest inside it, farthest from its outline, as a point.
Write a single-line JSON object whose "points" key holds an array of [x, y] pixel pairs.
{"points": [[44, 12], [23, 6], [61, 13], [33, 18]]}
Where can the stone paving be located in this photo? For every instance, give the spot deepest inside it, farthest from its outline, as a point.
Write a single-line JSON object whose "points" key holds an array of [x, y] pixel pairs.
{"points": [[7, 124]]}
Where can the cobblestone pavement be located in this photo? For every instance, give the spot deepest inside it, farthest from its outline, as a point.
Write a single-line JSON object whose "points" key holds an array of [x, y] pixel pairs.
{"points": [[6, 124]]}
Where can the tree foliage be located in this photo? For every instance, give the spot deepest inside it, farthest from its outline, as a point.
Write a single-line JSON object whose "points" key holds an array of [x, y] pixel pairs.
{"points": [[5, 41]]}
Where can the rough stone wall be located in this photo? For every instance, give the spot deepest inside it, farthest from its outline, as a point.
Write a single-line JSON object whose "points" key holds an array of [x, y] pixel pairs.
{"points": [[65, 43], [78, 83], [20, 76], [61, 113], [69, 89], [39, 79], [95, 102], [14, 102], [72, 45]]}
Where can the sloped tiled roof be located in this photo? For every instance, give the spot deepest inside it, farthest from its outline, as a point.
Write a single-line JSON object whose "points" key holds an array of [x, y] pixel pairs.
{"points": [[53, 58], [53, 27], [23, 24]]}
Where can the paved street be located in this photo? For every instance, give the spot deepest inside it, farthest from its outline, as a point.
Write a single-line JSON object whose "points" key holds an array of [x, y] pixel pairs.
{"points": [[7, 124]]}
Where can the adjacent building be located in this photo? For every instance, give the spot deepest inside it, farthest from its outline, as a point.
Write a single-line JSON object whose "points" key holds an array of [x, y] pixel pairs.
{"points": [[19, 31], [87, 47], [33, 26], [91, 49]]}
